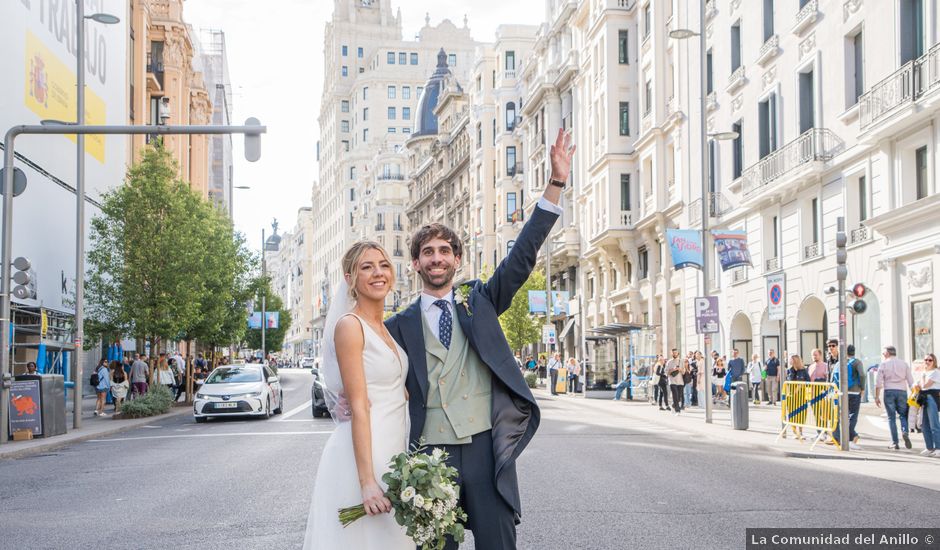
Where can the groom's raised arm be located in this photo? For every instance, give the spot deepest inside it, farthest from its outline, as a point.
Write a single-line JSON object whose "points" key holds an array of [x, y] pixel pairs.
{"points": [[516, 267]]}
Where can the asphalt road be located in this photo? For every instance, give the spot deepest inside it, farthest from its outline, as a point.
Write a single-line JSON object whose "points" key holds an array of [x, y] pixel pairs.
{"points": [[588, 480]]}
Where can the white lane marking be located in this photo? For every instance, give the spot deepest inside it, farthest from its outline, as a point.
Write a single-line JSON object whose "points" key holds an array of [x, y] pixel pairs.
{"points": [[305, 407], [152, 427], [207, 435]]}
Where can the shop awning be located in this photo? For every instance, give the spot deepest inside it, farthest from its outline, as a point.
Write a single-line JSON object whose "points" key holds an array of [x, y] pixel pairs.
{"points": [[567, 328], [615, 329]]}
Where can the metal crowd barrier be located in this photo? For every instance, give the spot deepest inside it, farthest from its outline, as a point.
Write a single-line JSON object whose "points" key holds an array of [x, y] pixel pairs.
{"points": [[799, 399]]}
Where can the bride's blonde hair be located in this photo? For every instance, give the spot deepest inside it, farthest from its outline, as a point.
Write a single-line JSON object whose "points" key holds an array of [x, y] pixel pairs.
{"points": [[351, 261]]}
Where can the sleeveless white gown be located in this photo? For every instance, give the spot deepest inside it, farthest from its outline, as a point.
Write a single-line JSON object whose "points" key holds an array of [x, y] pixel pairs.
{"points": [[337, 481]]}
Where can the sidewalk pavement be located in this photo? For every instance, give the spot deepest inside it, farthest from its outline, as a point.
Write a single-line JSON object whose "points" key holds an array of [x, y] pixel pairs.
{"points": [[874, 459], [93, 427]]}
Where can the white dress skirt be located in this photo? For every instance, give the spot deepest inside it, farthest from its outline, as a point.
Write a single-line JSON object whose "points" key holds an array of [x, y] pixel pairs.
{"points": [[337, 481]]}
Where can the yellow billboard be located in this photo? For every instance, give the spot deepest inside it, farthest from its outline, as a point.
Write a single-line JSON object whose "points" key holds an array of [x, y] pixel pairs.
{"points": [[50, 93]]}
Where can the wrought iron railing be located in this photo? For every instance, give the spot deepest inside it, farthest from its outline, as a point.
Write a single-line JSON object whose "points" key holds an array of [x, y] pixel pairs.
{"points": [[859, 235], [718, 205], [815, 144], [811, 251], [772, 264], [380, 227], [909, 83], [738, 275]]}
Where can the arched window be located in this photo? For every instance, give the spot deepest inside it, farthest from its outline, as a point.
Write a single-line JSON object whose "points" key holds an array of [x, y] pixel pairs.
{"points": [[510, 116]]}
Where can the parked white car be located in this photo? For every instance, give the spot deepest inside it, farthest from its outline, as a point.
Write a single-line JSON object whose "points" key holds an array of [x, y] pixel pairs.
{"points": [[234, 390]]}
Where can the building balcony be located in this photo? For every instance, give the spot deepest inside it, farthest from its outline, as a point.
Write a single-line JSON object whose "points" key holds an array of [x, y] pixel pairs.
{"points": [[509, 74], [390, 177], [815, 145], [398, 227], [380, 227], [515, 170], [737, 79], [769, 50], [806, 17], [771, 264], [739, 275], [155, 72], [859, 235], [812, 251], [718, 205], [908, 87], [398, 253]]}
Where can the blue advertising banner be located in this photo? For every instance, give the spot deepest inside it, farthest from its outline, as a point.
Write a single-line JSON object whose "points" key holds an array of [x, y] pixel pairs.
{"points": [[274, 319], [685, 246], [732, 249], [537, 302]]}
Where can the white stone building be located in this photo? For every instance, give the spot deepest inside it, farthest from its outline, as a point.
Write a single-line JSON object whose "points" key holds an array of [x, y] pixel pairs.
{"points": [[838, 108], [373, 82]]}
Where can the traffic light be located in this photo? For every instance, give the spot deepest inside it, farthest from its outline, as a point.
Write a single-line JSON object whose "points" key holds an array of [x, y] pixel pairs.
{"points": [[23, 277], [858, 291]]}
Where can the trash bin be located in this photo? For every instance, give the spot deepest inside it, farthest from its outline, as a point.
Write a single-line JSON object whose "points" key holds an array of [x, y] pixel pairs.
{"points": [[739, 405], [37, 404]]}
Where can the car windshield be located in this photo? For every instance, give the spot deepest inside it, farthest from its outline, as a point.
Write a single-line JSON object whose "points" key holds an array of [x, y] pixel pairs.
{"points": [[234, 376]]}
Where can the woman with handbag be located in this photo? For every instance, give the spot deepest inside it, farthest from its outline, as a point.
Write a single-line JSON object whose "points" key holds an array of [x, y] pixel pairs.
{"points": [[718, 380], [929, 401], [755, 372]]}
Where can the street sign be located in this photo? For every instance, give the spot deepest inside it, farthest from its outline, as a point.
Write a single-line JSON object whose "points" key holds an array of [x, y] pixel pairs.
{"points": [[776, 297], [548, 334], [706, 315]]}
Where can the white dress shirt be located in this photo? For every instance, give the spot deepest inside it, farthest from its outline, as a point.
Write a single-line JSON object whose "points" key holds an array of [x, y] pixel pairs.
{"points": [[432, 313]]}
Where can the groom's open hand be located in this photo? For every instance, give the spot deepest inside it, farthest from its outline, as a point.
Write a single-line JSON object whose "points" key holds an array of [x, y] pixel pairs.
{"points": [[561, 152]]}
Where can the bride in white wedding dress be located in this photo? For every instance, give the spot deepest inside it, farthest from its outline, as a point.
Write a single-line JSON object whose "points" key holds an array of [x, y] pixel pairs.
{"points": [[363, 363]]}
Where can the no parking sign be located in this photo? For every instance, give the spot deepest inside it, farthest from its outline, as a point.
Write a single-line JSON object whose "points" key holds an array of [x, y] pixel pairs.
{"points": [[776, 296]]}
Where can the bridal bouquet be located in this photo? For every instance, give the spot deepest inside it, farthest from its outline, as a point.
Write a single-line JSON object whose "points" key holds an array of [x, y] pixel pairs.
{"points": [[424, 495]]}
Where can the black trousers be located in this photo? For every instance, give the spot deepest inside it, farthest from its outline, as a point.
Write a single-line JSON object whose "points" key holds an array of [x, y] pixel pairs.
{"points": [[554, 377], [663, 395], [489, 516], [694, 393], [677, 396]]}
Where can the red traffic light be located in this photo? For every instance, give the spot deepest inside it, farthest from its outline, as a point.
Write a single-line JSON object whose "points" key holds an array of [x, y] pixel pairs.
{"points": [[859, 290]]}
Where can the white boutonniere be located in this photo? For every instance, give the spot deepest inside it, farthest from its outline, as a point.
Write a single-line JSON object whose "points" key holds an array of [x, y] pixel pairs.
{"points": [[462, 296]]}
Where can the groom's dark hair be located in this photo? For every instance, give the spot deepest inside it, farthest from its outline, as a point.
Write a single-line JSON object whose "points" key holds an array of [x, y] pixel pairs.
{"points": [[435, 231]]}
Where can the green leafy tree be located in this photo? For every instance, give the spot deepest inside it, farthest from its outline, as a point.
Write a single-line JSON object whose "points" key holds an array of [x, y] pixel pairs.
{"points": [[520, 327], [273, 338], [145, 253]]}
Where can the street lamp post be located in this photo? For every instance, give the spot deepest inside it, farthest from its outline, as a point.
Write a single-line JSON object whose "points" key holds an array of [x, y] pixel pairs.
{"points": [[252, 130], [682, 34], [105, 19]]}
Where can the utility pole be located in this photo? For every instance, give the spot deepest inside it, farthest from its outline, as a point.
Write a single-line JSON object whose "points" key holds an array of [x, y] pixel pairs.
{"points": [[264, 292], [79, 215], [841, 274], [705, 204]]}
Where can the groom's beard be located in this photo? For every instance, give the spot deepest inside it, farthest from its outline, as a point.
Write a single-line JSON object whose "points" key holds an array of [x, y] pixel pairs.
{"points": [[438, 282]]}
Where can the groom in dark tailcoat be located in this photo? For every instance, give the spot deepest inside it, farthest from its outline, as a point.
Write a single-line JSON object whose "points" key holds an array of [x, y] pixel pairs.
{"points": [[467, 394]]}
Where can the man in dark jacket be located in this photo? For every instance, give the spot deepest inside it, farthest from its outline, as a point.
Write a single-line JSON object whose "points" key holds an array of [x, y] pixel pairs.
{"points": [[467, 394], [855, 387]]}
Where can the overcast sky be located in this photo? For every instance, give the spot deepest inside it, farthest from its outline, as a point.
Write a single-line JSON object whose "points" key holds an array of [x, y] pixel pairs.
{"points": [[275, 58]]}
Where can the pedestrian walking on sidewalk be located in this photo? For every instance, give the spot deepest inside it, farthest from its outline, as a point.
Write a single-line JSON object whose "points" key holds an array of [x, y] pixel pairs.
{"points": [[756, 373], [674, 372], [832, 356], [119, 385], [140, 375], [574, 374], [855, 387], [163, 375], [929, 387], [736, 366], [895, 379], [553, 365], [101, 380], [695, 364], [772, 380], [662, 385], [718, 380]]}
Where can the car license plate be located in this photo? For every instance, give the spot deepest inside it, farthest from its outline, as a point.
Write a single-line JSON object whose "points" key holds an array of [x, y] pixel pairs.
{"points": [[226, 405]]}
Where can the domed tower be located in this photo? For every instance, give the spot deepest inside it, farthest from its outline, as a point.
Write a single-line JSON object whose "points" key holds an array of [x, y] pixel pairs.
{"points": [[426, 120]]}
